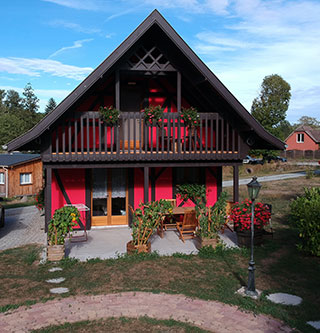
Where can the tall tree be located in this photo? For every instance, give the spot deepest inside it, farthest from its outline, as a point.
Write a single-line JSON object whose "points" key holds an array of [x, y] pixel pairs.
{"points": [[30, 101], [308, 121], [272, 104], [13, 101], [50, 106]]}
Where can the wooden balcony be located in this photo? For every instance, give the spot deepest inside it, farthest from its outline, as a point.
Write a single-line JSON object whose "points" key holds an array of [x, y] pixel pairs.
{"points": [[84, 137]]}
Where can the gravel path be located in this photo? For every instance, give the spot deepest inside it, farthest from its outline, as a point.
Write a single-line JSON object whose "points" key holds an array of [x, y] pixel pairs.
{"points": [[24, 225], [209, 315]]}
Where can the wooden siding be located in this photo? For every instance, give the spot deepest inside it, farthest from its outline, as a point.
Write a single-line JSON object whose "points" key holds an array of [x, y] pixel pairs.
{"points": [[84, 137], [15, 189]]}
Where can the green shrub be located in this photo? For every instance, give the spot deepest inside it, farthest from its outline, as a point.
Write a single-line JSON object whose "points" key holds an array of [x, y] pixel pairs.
{"points": [[305, 216]]}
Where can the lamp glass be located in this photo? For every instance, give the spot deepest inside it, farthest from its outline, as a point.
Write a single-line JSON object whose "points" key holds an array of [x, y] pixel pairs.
{"points": [[253, 188]]}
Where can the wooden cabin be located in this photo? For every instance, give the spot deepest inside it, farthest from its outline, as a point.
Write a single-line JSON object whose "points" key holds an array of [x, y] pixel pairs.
{"points": [[20, 174], [108, 168]]}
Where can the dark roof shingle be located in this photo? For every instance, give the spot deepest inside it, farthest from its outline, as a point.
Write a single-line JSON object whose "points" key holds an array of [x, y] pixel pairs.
{"points": [[16, 158]]}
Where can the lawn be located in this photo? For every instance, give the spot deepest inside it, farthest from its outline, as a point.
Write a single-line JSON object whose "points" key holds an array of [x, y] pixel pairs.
{"points": [[213, 276]]}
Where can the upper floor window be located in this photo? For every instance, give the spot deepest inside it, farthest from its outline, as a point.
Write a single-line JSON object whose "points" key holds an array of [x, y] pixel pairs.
{"points": [[1, 177], [25, 178], [300, 138]]}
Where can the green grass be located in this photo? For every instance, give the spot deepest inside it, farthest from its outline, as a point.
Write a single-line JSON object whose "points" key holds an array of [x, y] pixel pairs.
{"points": [[8, 205], [123, 324], [211, 275]]}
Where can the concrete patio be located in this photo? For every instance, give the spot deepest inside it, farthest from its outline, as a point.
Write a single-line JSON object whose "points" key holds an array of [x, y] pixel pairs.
{"points": [[111, 242]]}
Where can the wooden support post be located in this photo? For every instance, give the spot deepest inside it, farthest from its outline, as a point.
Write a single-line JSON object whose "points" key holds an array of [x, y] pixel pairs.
{"points": [[236, 183], [117, 88], [146, 184], [48, 197], [178, 91], [219, 181]]}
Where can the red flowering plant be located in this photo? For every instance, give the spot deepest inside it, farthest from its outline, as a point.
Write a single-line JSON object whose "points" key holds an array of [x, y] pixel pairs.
{"points": [[109, 115], [40, 199], [241, 215], [153, 115], [190, 117]]}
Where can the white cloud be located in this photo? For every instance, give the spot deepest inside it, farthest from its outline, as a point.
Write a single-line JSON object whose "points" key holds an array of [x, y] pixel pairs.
{"points": [[77, 4], [74, 26], [34, 67], [77, 44]]}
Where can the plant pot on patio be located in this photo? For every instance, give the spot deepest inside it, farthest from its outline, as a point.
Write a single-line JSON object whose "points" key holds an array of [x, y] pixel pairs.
{"points": [[204, 241], [244, 237], [55, 252], [143, 248]]}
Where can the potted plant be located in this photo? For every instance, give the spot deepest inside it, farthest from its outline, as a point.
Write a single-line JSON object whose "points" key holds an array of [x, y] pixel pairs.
{"points": [[59, 227], [211, 218], [153, 115], [145, 221], [241, 217], [190, 117], [109, 115]]}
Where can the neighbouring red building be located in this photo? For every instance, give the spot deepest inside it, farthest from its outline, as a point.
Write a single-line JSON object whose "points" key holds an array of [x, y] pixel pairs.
{"points": [[304, 138], [109, 168]]}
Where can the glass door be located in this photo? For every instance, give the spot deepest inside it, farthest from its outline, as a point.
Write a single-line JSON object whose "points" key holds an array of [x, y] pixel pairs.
{"points": [[109, 197]]}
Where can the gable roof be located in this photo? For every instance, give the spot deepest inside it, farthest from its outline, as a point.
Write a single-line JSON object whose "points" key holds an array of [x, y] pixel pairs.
{"points": [[313, 133], [8, 160], [155, 18]]}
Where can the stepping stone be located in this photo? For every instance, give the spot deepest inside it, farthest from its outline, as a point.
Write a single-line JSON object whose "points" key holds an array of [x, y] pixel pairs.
{"points": [[285, 299], [55, 269], [58, 280], [315, 324], [59, 290]]}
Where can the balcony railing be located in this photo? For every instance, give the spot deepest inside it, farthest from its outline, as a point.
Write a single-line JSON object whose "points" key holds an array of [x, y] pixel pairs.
{"points": [[84, 137]]}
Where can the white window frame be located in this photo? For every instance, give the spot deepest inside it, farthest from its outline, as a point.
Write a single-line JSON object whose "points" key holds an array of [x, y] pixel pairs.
{"points": [[300, 137], [2, 178], [26, 178]]}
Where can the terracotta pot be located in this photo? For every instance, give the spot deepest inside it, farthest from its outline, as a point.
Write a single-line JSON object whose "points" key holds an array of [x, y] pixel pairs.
{"points": [[244, 237], [208, 242], [55, 252], [145, 248]]}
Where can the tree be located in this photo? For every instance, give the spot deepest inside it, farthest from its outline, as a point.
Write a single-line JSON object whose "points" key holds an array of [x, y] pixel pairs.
{"points": [[30, 101], [50, 106], [272, 104], [308, 121], [13, 101]]}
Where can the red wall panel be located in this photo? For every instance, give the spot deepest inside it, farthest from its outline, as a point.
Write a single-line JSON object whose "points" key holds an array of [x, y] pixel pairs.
{"points": [[308, 143]]}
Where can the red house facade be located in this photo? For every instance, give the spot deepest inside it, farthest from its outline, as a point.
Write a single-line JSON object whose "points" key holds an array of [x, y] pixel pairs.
{"points": [[109, 168], [304, 138]]}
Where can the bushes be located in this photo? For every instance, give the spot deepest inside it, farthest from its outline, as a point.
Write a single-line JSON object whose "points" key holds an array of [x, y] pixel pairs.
{"points": [[305, 216]]}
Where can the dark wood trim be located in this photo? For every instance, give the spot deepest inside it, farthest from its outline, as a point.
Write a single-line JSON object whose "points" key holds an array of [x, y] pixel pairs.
{"points": [[88, 178], [236, 183], [179, 91], [153, 183], [117, 90], [131, 192], [146, 184], [48, 197], [219, 181]]}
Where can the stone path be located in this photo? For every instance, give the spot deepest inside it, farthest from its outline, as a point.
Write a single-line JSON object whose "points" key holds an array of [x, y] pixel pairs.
{"points": [[23, 226], [209, 315]]}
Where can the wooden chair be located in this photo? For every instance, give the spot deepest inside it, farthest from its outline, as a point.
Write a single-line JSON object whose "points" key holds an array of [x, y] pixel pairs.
{"points": [[169, 221], [188, 226]]}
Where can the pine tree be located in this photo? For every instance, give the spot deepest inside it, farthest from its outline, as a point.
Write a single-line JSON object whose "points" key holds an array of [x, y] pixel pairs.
{"points": [[50, 106]]}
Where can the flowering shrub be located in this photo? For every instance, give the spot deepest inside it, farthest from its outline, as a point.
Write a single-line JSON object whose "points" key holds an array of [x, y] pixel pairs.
{"points": [[153, 115], [109, 115], [190, 117], [241, 215], [40, 199], [61, 224]]}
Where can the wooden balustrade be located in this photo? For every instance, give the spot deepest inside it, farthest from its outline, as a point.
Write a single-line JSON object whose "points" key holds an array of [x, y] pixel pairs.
{"points": [[84, 137]]}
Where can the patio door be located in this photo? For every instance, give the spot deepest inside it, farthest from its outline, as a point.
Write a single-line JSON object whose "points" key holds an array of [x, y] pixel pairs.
{"points": [[109, 197]]}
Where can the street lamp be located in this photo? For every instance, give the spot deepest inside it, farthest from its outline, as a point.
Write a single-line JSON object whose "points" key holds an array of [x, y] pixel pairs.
{"points": [[253, 190]]}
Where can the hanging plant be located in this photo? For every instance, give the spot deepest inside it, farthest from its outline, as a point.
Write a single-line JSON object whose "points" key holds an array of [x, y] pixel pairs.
{"points": [[153, 115], [109, 115], [190, 117]]}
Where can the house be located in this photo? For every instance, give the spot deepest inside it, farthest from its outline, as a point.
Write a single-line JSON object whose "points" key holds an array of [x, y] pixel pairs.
{"points": [[20, 174], [304, 138], [109, 168]]}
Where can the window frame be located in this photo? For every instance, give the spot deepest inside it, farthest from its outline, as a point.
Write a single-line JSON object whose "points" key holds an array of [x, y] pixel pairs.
{"points": [[300, 138], [22, 181], [2, 178]]}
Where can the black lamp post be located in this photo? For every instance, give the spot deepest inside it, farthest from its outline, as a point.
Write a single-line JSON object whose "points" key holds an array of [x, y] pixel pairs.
{"points": [[253, 190]]}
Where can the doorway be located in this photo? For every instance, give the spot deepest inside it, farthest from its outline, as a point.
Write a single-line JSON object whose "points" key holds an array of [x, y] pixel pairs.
{"points": [[109, 196]]}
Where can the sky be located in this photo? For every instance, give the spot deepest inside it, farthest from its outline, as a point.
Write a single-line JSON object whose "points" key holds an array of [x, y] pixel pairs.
{"points": [[55, 44]]}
